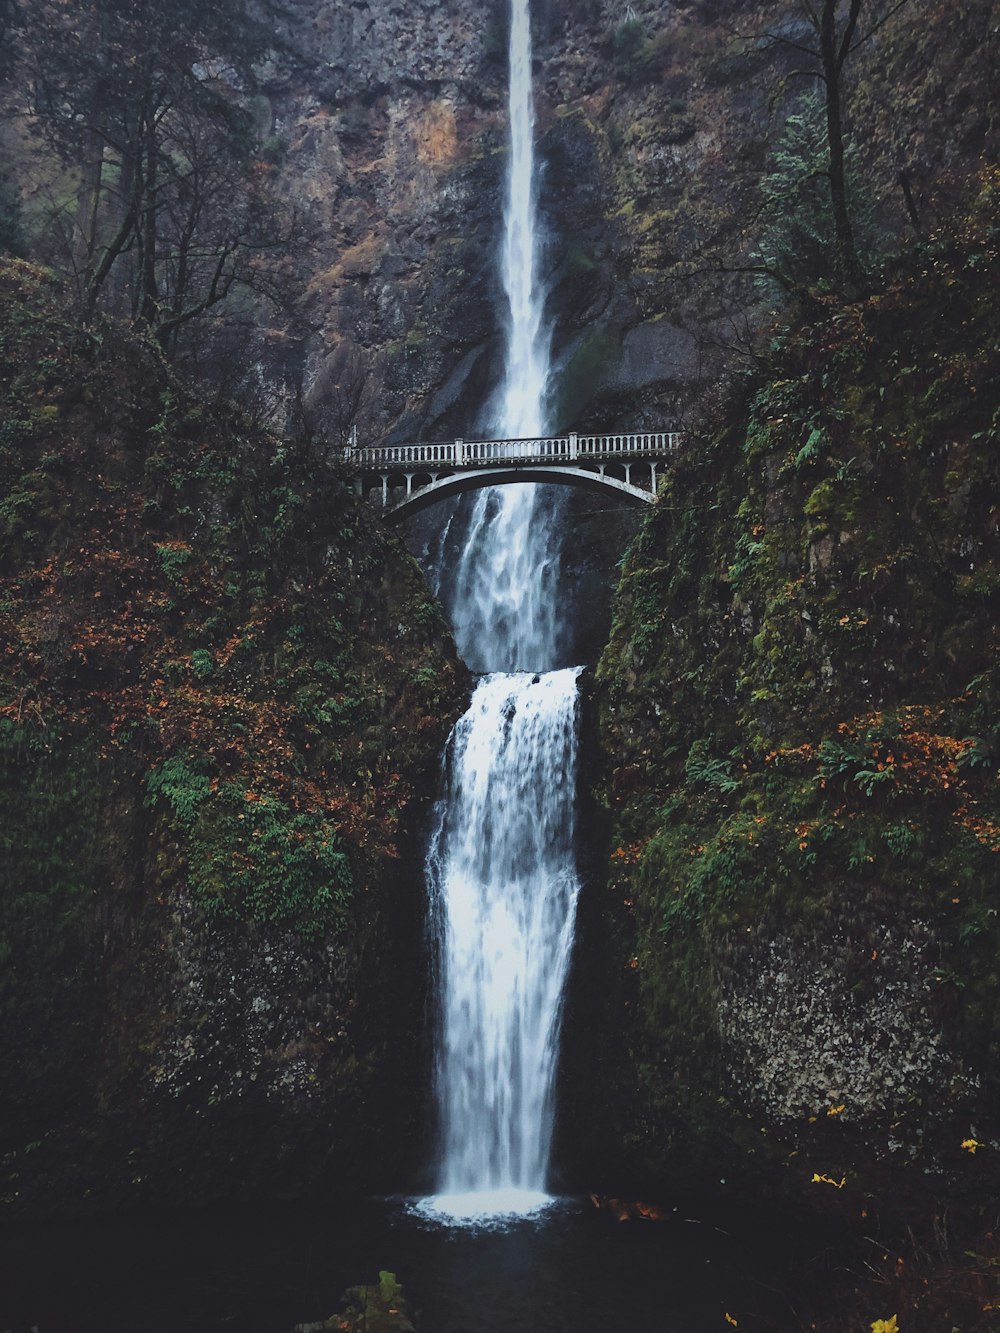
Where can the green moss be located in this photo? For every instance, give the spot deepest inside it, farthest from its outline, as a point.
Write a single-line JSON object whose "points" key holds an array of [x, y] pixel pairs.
{"points": [[275, 681], [585, 371], [798, 689]]}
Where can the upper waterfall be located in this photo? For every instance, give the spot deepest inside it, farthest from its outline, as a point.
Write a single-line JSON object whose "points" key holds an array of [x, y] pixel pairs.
{"points": [[505, 608], [522, 408]]}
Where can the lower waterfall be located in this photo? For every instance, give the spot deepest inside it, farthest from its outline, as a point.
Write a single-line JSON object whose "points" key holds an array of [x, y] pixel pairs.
{"points": [[503, 897]]}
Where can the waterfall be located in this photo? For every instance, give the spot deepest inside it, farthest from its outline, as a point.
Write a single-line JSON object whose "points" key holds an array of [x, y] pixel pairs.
{"points": [[504, 893], [501, 873], [505, 606]]}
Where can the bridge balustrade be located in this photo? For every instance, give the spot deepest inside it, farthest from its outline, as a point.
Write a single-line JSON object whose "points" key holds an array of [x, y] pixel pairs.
{"points": [[475, 453]]}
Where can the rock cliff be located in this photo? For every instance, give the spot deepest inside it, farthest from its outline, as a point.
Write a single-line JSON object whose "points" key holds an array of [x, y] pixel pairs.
{"points": [[657, 126], [223, 693], [797, 708]]}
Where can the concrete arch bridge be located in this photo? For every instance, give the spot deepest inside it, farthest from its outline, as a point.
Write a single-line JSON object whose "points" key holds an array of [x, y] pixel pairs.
{"points": [[405, 478]]}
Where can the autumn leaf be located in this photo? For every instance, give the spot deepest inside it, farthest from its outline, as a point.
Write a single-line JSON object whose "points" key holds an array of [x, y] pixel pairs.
{"points": [[836, 1110], [970, 1145], [828, 1180], [885, 1325], [731, 1320]]}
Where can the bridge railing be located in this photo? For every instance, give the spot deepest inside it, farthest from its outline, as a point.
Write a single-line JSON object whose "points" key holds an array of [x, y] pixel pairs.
{"points": [[475, 453]]}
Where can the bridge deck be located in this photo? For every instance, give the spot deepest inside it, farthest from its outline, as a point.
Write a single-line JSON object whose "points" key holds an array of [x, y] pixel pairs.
{"points": [[572, 448]]}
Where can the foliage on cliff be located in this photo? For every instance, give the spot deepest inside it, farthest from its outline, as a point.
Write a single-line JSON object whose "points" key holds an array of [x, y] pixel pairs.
{"points": [[799, 706], [222, 689], [182, 589]]}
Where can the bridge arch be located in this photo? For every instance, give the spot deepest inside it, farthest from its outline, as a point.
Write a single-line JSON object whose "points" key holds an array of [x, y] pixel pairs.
{"points": [[434, 491]]}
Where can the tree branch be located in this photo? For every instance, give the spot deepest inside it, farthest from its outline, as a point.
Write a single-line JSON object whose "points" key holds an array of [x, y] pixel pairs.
{"points": [[849, 31], [901, 4]]}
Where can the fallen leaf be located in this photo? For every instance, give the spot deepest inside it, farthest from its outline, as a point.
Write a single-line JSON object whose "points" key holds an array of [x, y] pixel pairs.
{"points": [[885, 1325], [828, 1180]]}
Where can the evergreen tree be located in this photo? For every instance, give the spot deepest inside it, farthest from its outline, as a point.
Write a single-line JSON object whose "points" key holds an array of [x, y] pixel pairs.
{"points": [[838, 30], [797, 218]]}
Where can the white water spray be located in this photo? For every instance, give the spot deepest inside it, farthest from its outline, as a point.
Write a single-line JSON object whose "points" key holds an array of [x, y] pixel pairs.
{"points": [[501, 868], [522, 409]]}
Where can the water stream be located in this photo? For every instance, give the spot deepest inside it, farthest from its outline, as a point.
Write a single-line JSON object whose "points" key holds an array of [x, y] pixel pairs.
{"points": [[501, 873]]}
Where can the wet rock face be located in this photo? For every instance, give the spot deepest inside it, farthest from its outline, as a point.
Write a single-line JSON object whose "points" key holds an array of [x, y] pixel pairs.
{"points": [[801, 953], [277, 1061], [845, 1022], [395, 148], [372, 46], [596, 531], [187, 1059], [211, 922], [655, 126]]}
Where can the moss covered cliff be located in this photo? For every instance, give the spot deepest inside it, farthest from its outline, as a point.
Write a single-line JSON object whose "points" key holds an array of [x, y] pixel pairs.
{"points": [[798, 708], [223, 690]]}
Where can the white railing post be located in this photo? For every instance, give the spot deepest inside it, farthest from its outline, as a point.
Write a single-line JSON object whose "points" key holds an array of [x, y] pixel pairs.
{"points": [[459, 452], [574, 452]]}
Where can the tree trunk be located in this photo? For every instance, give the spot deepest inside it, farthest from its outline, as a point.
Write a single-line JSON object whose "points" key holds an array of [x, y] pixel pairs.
{"points": [[847, 264], [88, 197], [147, 284]]}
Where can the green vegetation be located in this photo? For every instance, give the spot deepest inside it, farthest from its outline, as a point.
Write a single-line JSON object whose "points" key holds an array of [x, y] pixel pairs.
{"points": [[797, 220], [379, 1308], [253, 855], [167, 153], [222, 685], [799, 699], [210, 608], [12, 236]]}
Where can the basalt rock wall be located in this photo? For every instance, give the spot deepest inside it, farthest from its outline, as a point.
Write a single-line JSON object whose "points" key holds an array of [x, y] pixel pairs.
{"points": [[656, 127], [799, 768]]}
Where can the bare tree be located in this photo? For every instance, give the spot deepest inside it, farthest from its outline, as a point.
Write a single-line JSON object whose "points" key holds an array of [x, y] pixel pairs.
{"points": [[151, 104], [839, 28]]}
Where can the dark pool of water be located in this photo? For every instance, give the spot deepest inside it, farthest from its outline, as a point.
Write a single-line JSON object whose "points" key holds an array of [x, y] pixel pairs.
{"points": [[574, 1270]]}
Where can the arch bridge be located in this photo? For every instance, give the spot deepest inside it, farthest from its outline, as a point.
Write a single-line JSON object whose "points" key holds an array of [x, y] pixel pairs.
{"points": [[405, 478]]}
